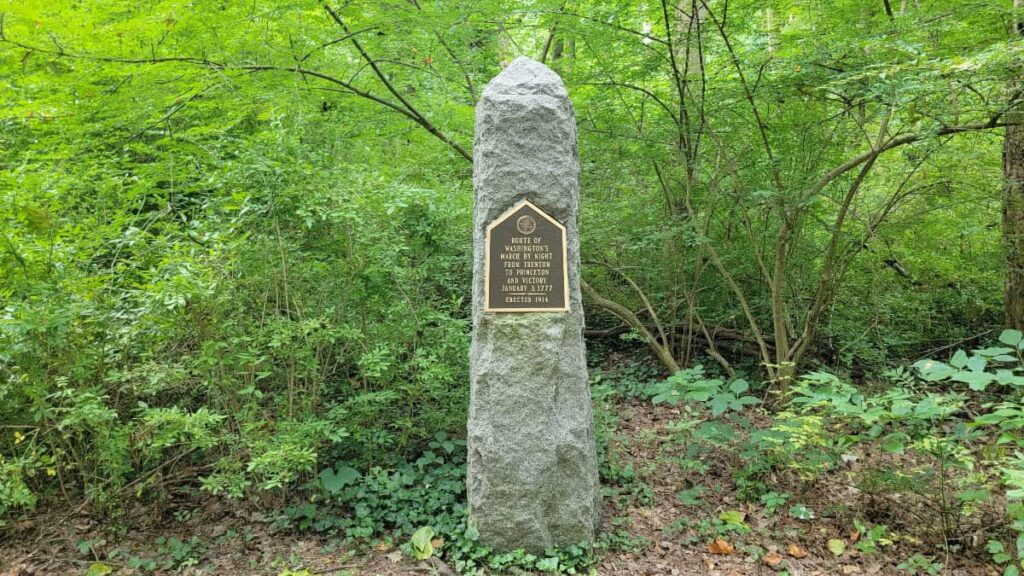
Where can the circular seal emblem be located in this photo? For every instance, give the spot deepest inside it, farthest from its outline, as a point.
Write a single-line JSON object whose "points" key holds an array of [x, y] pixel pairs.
{"points": [[526, 224]]}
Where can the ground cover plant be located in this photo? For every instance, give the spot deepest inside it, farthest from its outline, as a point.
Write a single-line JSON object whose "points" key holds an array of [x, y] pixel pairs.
{"points": [[235, 260]]}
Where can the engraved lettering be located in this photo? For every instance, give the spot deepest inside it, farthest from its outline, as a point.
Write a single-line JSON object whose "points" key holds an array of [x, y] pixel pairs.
{"points": [[525, 262]]}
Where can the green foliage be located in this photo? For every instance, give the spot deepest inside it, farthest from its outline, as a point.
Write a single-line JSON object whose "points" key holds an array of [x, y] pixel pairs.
{"points": [[980, 369], [772, 501], [691, 385], [837, 546], [98, 569], [214, 259], [949, 441], [733, 520], [998, 551], [920, 564], [422, 548], [178, 553], [801, 512], [631, 379], [236, 296], [394, 501], [14, 492], [870, 540], [570, 560], [691, 496], [422, 503]]}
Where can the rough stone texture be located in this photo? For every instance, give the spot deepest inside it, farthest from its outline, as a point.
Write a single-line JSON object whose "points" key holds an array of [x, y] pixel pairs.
{"points": [[532, 471]]}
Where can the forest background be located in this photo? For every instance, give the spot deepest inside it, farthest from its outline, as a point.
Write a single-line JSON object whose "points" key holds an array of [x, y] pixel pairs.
{"points": [[235, 236]]}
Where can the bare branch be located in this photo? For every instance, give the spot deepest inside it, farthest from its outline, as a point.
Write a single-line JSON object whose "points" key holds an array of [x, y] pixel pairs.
{"points": [[451, 53], [761, 128], [643, 35], [831, 175], [333, 42], [660, 349], [643, 298], [402, 108], [642, 90], [412, 111]]}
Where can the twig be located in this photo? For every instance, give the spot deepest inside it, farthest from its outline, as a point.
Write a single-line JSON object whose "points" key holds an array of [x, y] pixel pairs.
{"points": [[928, 353], [403, 107], [412, 112]]}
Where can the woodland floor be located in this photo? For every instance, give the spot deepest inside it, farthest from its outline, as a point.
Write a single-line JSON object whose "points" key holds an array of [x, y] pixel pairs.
{"points": [[240, 539]]}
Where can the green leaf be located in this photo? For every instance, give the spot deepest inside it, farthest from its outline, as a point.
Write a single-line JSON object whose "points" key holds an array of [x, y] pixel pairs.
{"points": [[976, 381], [422, 547], [742, 401], [668, 394], [549, 564], [977, 363], [1008, 378], [895, 443], [933, 371], [801, 512], [333, 481], [691, 496], [98, 569], [994, 547], [348, 475], [719, 404], [959, 360], [836, 546], [1011, 337], [733, 518], [739, 386], [714, 432], [701, 395], [996, 352], [973, 495]]}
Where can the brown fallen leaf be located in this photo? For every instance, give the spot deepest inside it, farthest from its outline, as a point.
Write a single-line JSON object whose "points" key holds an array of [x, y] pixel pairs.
{"points": [[437, 542], [796, 551], [382, 547], [720, 546], [851, 569], [854, 535], [773, 560]]}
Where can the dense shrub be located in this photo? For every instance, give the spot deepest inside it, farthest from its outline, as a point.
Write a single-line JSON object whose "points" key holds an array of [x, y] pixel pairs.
{"points": [[267, 315]]}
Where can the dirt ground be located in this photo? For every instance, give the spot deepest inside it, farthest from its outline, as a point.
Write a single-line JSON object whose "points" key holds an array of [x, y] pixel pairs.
{"points": [[239, 539]]}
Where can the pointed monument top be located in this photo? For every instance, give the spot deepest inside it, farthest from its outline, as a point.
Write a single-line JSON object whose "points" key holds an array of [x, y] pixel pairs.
{"points": [[525, 77]]}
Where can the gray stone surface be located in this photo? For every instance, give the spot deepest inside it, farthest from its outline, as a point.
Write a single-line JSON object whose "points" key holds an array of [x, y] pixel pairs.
{"points": [[532, 470]]}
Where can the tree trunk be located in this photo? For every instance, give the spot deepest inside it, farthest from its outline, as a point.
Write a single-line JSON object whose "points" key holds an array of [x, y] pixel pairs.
{"points": [[1013, 199]]}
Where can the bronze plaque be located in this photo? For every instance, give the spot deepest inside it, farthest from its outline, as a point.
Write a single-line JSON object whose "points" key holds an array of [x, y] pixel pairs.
{"points": [[525, 262]]}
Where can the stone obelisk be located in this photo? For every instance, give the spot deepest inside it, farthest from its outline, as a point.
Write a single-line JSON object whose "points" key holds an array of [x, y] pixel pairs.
{"points": [[532, 470]]}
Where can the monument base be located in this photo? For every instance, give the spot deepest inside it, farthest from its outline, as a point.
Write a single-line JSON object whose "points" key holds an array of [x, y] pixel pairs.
{"points": [[532, 468]]}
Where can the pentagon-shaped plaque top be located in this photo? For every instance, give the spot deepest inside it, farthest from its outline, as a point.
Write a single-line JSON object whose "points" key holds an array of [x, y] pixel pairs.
{"points": [[525, 262]]}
